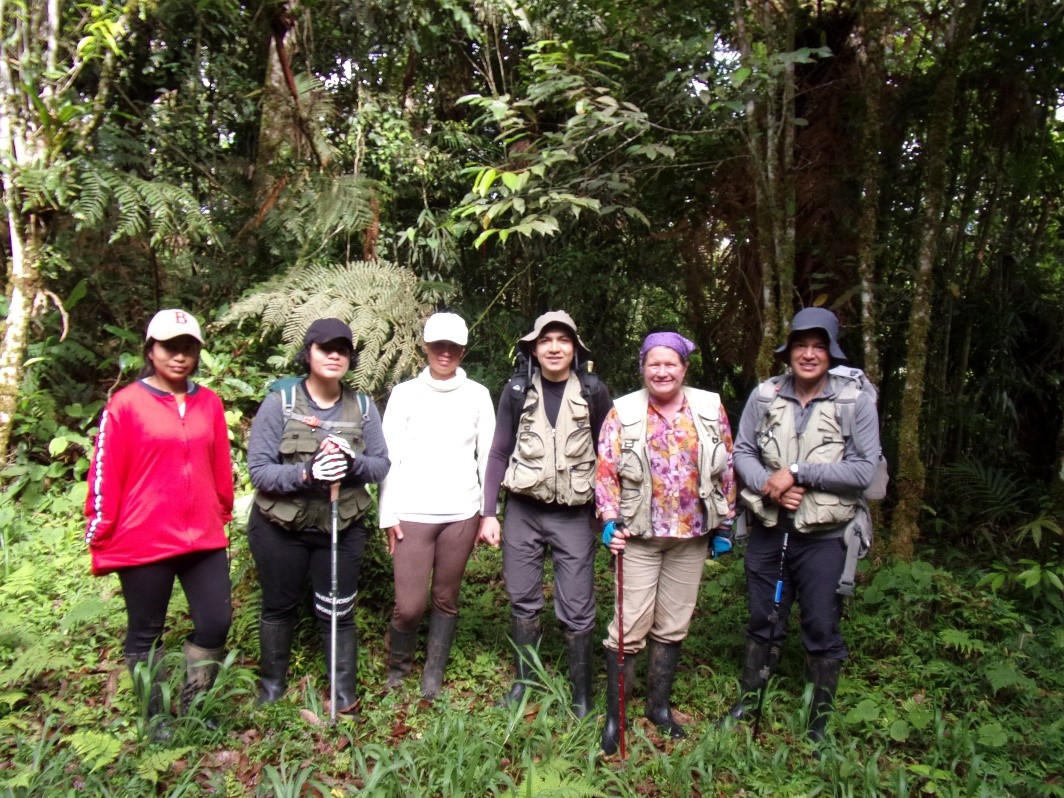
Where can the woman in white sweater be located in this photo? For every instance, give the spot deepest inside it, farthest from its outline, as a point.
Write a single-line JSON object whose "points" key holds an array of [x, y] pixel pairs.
{"points": [[438, 427]]}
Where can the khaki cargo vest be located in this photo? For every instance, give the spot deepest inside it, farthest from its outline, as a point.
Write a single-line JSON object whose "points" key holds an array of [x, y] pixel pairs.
{"points": [[633, 468], [303, 434], [554, 464], [821, 442]]}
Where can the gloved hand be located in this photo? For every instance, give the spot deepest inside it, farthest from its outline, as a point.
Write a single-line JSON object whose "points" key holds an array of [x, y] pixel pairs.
{"points": [[721, 546], [328, 466], [612, 526], [334, 443]]}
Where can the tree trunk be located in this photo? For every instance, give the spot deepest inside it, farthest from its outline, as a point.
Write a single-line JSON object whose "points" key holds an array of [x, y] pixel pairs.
{"points": [[911, 475], [20, 147], [870, 53], [769, 131]]}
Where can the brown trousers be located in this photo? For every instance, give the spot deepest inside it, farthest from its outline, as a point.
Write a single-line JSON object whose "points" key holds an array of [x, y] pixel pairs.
{"points": [[436, 552]]}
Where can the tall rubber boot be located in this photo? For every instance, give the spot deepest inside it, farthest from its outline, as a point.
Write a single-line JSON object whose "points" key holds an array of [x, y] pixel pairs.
{"points": [[824, 673], [147, 686], [761, 659], [275, 650], [661, 672], [611, 731], [400, 655], [437, 652], [578, 647], [201, 669], [346, 668], [525, 634]]}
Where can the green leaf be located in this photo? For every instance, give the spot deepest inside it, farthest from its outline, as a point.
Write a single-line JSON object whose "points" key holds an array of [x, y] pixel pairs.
{"points": [[992, 735], [865, 712], [58, 445], [98, 750], [899, 731]]}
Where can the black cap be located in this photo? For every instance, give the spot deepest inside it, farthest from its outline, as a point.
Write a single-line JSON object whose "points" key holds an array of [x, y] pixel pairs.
{"points": [[324, 330]]}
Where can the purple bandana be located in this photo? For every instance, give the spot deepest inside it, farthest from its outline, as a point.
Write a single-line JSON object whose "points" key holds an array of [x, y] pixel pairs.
{"points": [[673, 340]]}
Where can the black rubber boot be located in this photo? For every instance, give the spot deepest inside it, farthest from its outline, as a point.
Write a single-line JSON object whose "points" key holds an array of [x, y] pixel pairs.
{"points": [[524, 635], [661, 672], [578, 647], [611, 731], [147, 686], [441, 636], [346, 669], [400, 655], [760, 661], [275, 650], [824, 673], [201, 669]]}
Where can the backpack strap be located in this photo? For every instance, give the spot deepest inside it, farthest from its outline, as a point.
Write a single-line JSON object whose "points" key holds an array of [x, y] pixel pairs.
{"points": [[767, 392], [857, 537]]}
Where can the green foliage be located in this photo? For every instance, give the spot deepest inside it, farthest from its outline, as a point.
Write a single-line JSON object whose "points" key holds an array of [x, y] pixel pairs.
{"points": [[384, 304]]}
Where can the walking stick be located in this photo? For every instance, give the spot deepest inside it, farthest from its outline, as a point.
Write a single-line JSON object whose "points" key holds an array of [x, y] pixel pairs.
{"points": [[775, 618], [334, 590], [621, 698]]}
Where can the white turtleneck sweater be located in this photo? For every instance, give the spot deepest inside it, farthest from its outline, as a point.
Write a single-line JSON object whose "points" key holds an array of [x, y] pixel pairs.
{"points": [[439, 436]]}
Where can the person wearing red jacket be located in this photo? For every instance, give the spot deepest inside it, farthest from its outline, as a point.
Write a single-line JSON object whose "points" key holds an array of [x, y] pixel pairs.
{"points": [[160, 494]]}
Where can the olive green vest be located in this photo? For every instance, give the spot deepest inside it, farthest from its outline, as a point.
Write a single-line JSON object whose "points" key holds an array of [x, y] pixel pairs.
{"points": [[302, 435], [554, 464], [633, 468], [822, 441]]}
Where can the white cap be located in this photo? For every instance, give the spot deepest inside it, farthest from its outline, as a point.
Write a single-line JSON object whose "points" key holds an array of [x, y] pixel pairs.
{"points": [[446, 327], [171, 323]]}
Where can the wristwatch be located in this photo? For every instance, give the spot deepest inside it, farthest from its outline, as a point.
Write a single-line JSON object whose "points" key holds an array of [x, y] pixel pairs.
{"points": [[794, 472]]}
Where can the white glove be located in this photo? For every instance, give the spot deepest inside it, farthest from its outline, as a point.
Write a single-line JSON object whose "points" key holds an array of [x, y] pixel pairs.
{"points": [[340, 445], [329, 467]]}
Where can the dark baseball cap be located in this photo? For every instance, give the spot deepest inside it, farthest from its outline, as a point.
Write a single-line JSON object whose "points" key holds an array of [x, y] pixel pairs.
{"points": [[323, 331]]}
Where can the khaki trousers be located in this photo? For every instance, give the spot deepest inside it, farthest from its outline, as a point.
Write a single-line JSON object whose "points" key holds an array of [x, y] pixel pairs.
{"points": [[661, 578]]}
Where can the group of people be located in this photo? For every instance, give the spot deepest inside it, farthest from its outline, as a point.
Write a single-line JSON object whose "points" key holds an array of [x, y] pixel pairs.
{"points": [[654, 475]]}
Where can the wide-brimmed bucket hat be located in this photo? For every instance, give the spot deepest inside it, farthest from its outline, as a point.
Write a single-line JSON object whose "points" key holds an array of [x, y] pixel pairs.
{"points": [[528, 342], [814, 319]]}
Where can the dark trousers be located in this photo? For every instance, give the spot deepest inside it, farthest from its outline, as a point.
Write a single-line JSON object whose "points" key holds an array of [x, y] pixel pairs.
{"points": [[532, 529], [204, 576], [285, 558], [812, 567]]}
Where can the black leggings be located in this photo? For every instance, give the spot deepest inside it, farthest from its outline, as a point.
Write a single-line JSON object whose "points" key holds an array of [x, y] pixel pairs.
{"points": [[204, 576], [285, 558]]}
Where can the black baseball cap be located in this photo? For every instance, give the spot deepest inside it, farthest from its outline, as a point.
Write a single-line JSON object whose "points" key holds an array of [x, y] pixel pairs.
{"points": [[323, 331]]}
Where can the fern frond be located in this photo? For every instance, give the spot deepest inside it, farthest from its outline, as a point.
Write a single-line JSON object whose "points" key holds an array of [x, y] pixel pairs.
{"points": [[384, 304], [96, 749]]}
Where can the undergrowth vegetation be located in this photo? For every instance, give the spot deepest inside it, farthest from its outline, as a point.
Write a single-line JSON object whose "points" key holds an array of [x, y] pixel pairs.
{"points": [[951, 689]]}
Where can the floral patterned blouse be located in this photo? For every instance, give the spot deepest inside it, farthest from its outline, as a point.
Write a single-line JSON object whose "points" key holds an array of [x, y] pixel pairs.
{"points": [[672, 448]]}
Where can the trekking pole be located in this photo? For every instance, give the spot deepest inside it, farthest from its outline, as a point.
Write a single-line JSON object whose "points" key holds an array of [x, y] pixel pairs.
{"points": [[775, 619], [621, 701], [334, 590]]}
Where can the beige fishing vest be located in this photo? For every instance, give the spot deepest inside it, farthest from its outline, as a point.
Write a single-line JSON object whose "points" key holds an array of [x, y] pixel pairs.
{"points": [[821, 442], [301, 438], [554, 464], [633, 468]]}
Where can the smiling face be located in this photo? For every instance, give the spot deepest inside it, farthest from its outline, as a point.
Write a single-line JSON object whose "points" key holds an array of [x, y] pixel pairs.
{"points": [[330, 361], [554, 350], [809, 358], [444, 358], [175, 360], [663, 374]]}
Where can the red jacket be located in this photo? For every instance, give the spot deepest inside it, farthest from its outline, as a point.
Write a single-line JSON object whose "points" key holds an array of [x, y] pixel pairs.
{"points": [[159, 485]]}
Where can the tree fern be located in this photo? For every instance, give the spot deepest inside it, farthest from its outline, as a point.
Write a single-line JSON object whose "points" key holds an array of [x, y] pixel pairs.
{"points": [[384, 304], [135, 207]]}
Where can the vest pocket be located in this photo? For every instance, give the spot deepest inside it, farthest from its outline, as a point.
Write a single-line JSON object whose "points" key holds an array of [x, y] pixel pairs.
{"points": [[820, 510], [582, 479], [828, 443], [295, 444], [521, 476], [630, 475], [530, 446]]}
